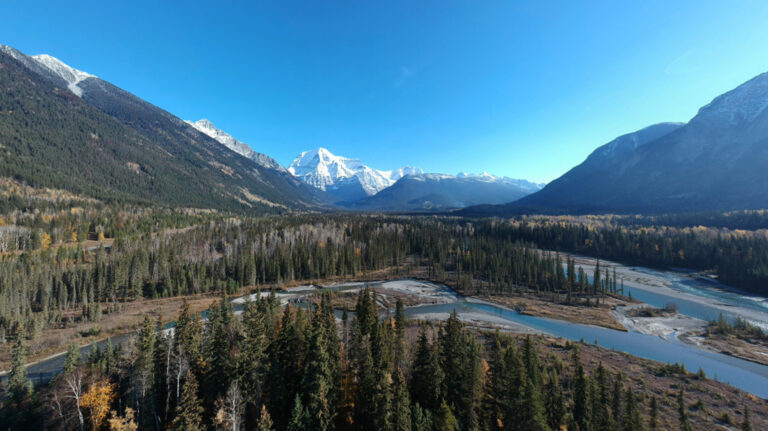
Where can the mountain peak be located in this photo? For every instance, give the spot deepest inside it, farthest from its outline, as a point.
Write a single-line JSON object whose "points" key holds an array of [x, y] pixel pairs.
{"points": [[742, 104], [69, 74], [324, 170]]}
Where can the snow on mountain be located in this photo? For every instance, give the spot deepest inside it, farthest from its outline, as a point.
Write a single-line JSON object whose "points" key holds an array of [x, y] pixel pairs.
{"points": [[69, 74], [322, 169], [489, 178], [742, 104], [224, 138]]}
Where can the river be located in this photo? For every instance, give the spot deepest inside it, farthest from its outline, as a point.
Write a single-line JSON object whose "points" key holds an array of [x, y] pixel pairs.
{"points": [[659, 289]]}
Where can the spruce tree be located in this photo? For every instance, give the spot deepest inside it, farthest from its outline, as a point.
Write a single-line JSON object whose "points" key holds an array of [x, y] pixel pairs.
{"points": [[72, 360], [189, 412], [632, 420], [746, 425], [298, 418], [653, 418], [426, 375], [400, 409], [421, 419], [18, 386], [682, 410], [444, 419], [581, 411], [555, 402], [318, 379]]}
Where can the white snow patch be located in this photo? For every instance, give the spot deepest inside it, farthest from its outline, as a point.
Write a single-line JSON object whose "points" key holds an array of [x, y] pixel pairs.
{"points": [[323, 170], [224, 138], [69, 74]]}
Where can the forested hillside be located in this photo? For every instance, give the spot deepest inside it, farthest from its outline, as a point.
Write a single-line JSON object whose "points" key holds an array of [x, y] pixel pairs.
{"points": [[295, 369], [112, 145]]}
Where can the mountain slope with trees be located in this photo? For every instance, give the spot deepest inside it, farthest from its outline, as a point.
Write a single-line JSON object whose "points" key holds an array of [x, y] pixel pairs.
{"points": [[717, 161], [110, 144]]}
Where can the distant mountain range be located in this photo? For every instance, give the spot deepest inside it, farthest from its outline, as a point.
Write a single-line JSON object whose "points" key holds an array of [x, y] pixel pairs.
{"points": [[64, 128], [717, 161], [347, 179], [360, 187], [437, 192]]}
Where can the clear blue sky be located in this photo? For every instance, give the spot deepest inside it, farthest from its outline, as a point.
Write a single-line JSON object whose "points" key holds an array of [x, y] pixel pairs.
{"points": [[519, 88]]}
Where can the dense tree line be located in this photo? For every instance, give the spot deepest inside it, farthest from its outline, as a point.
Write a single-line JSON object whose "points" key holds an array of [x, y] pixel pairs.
{"points": [[163, 253], [738, 258], [276, 368], [40, 287]]}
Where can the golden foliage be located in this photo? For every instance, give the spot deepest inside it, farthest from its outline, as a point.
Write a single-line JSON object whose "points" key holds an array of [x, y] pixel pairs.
{"points": [[97, 401], [45, 240], [127, 423]]}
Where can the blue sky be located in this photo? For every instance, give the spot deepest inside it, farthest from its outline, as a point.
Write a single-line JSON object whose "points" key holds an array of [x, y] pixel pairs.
{"points": [[519, 88]]}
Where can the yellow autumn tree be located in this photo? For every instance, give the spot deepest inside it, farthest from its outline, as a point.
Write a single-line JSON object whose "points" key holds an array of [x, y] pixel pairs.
{"points": [[45, 240], [96, 401], [127, 423]]}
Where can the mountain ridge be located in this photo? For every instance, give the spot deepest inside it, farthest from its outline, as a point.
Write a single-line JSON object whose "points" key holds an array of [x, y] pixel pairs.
{"points": [[107, 143], [716, 161]]}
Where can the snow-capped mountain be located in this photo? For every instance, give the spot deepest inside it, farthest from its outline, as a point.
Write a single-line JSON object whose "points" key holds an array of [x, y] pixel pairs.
{"points": [[72, 76], [524, 185], [717, 161], [436, 192], [344, 177], [233, 144], [84, 130]]}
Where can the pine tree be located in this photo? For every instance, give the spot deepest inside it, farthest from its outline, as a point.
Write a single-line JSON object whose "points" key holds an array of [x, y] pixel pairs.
{"points": [[653, 419], [616, 408], [555, 402], [18, 386], [444, 419], [426, 375], [632, 420], [747, 424], [189, 412], [298, 418], [265, 420], [400, 326], [318, 379], [682, 410], [581, 413], [421, 419], [400, 410], [143, 377], [72, 360]]}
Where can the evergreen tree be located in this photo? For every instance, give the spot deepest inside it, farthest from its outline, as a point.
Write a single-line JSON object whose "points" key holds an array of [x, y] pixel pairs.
{"points": [[299, 417], [555, 402], [189, 412], [400, 410], [653, 419], [632, 420], [72, 359], [265, 420], [746, 425], [426, 375], [444, 419], [18, 386], [421, 419], [318, 379], [682, 410], [581, 411]]}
